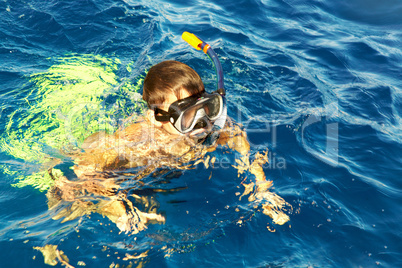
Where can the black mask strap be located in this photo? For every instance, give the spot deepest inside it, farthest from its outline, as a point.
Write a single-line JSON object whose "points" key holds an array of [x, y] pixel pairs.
{"points": [[161, 115]]}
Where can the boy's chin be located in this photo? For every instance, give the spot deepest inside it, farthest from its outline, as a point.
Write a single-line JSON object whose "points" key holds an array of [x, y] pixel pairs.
{"points": [[199, 134]]}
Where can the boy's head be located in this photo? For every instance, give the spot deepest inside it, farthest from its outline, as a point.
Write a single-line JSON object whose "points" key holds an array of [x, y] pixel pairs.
{"points": [[167, 82], [178, 102]]}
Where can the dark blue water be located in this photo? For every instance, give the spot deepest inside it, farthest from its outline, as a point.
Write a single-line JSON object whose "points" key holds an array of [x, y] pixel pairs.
{"points": [[315, 82]]}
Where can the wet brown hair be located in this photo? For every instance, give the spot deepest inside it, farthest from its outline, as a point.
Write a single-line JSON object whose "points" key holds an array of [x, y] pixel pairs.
{"points": [[170, 77]]}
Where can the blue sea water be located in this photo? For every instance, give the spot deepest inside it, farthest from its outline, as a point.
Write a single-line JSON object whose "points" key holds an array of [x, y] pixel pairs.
{"points": [[318, 83]]}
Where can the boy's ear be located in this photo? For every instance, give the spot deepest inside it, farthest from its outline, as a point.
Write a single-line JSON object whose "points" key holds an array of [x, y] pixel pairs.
{"points": [[151, 118]]}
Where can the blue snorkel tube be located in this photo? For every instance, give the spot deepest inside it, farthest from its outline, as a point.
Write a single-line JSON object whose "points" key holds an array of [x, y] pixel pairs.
{"points": [[219, 123]]}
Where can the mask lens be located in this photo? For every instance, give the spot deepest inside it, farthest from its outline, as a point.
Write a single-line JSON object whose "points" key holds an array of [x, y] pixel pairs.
{"points": [[212, 107], [188, 117]]}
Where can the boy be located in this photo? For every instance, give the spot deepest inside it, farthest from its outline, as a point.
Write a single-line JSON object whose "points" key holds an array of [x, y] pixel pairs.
{"points": [[168, 136]]}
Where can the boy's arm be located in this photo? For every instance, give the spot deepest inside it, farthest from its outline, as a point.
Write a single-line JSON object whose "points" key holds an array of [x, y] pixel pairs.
{"points": [[235, 139], [273, 205]]}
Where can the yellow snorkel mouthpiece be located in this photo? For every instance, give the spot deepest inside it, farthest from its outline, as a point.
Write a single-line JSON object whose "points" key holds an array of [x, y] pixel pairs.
{"points": [[192, 40]]}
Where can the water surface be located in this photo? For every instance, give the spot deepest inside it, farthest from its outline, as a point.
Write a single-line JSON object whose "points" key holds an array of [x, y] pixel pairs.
{"points": [[318, 84]]}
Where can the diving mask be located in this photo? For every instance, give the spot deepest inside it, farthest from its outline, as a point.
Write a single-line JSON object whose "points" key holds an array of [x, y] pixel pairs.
{"points": [[197, 111]]}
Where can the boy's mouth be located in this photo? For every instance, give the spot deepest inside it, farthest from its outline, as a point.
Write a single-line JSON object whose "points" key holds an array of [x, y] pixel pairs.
{"points": [[200, 134]]}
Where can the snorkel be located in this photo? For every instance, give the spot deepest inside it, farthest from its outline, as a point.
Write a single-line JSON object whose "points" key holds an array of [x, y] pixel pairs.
{"points": [[219, 123]]}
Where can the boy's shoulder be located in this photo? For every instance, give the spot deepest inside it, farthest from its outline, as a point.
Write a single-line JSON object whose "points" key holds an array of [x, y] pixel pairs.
{"points": [[233, 136], [135, 132]]}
